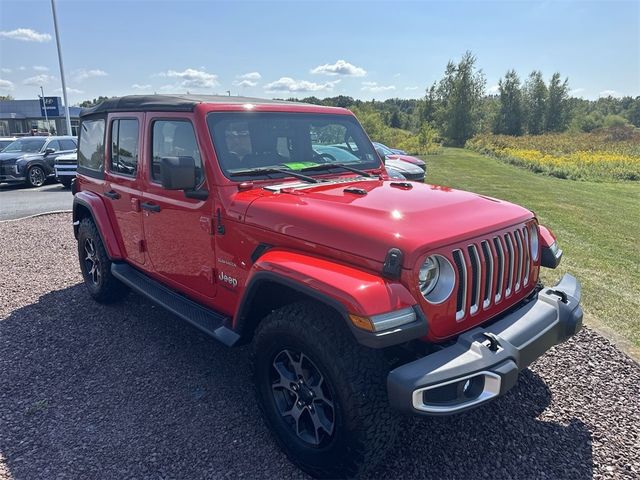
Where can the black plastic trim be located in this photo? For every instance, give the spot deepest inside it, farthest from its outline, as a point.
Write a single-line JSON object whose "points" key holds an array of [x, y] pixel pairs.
{"points": [[548, 259], [259, 251]]}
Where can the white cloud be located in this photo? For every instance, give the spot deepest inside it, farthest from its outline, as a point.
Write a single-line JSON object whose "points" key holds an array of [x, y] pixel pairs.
{"points": [[137, 86], [83, 74], [40, 68], [191, 78], [247, 80], [22, 68], [609, 93], [410, 89], [341, 67], [6, 84], [288, 84], [38, 80], [250, 76], [26, 35], [493, 89], [375, 88], [5, 70], [69, 90]]}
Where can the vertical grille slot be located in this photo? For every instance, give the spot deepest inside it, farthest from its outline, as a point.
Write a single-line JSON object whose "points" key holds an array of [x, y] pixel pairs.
{"points": [[527, 253], [520, 259], [476, 278], [500, 277], [461, 295], [488, 273], [510, 264]]}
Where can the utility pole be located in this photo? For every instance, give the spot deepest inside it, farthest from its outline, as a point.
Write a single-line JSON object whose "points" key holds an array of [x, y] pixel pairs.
{"points": [[64, 84], [44, 108]]}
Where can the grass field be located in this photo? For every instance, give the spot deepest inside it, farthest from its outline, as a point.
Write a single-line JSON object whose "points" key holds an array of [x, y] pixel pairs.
{"points": [[607, 155], [597, 224]]}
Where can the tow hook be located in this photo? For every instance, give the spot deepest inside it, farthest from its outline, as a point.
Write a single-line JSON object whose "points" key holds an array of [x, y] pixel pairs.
{"points": [[562, 295], [494, 343]]}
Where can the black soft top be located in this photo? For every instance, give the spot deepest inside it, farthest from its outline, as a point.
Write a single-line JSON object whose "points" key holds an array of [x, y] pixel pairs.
{"points": [[169, 103]]}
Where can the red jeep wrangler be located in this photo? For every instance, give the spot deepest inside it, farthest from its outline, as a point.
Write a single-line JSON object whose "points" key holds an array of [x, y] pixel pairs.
{"points": [[275, 223]]}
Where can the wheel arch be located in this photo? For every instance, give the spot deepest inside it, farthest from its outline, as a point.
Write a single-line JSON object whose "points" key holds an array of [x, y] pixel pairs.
{"points": [[89, 205]]}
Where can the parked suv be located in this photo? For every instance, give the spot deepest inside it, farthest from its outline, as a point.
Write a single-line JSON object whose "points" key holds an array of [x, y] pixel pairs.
{"points": [[30, 160], [362, 297]]}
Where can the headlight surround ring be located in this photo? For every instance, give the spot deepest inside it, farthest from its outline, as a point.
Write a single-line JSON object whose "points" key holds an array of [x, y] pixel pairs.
{"points": [[436, 279]]}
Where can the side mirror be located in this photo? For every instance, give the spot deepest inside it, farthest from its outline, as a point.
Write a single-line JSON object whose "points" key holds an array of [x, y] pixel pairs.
{"points": [[178, 173], [49, 150]]}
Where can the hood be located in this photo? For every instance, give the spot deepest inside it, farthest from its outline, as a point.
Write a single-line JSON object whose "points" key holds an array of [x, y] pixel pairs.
{"points": [[11, 157], [414, 219], [407, 159], [402, 166]]}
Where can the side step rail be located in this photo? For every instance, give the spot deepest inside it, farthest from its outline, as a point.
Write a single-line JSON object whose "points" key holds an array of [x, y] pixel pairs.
{"points": [[200, 317]]}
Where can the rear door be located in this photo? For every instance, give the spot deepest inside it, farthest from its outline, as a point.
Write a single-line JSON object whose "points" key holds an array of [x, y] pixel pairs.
{"points": [[178, 230], [122, 181]]}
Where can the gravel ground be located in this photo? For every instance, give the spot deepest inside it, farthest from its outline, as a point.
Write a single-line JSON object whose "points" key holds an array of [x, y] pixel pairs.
{"points": [[129, 391]]}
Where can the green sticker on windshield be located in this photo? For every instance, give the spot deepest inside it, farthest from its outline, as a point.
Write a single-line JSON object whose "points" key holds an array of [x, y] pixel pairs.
{"points": [[300, 165]]}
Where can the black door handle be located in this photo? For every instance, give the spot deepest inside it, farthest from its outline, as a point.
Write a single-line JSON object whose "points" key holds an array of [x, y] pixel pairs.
{"points": [[152, 207], [113, 195]]}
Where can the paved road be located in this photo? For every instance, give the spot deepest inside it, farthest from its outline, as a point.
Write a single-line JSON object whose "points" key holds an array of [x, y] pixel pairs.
{"points": [[19, 201]]}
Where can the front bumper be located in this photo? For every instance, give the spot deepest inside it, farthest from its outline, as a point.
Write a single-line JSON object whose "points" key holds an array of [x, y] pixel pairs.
{"points": [[484, 362]]}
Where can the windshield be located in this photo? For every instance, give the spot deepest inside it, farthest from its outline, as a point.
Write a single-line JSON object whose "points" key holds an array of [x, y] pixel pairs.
{"points": [[27, 145], [247, 141]]}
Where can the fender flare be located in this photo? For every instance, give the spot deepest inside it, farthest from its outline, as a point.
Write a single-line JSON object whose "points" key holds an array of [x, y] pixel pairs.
{"points": [[94, 204], [346, 289]]}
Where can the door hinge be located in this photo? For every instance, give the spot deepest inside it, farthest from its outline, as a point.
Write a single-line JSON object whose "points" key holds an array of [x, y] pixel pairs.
{"points": [[219, 226], [142, 246]]}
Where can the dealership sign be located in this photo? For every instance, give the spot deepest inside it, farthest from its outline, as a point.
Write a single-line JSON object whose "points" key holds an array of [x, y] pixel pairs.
{"points": [[52, 104]]}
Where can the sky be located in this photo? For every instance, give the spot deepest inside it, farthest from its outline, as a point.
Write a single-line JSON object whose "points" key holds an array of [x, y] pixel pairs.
{"points": [[366, 50]]}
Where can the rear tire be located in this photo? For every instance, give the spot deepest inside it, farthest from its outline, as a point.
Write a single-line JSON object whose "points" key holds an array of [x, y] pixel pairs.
{"points": [[96, 265], [66, 183], [321, 393]]}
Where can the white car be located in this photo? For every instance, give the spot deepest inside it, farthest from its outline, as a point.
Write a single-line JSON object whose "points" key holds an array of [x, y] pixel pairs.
{"points": [[65, 167]]}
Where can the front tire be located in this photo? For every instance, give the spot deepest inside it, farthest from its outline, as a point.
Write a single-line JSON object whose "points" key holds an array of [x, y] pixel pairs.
{"points": [[36, 176], [321, 393], [96, 265]]}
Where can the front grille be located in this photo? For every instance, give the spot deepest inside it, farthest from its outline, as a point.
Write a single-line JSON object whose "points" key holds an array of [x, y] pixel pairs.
{"points": [[492, 269], [66, 162]]}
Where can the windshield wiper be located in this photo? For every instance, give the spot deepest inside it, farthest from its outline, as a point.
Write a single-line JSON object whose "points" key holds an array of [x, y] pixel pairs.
{"points": [[268, 170], [327, 166]]}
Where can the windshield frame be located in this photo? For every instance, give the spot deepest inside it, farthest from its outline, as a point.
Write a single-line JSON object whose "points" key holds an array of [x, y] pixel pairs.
{"points": [[25, 140], [354, 132]]}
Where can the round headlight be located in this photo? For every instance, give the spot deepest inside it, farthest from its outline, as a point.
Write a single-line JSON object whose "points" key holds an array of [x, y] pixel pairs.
{"points": [[428, 276], [436, 279], [535, 246]]}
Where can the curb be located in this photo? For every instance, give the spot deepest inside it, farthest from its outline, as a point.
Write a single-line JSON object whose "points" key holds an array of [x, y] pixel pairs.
{"points": [[53, 212]]}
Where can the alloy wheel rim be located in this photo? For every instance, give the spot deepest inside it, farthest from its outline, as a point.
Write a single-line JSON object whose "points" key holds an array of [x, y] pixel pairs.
{"points": [[92, 263], [36, 176], [303, 397]]}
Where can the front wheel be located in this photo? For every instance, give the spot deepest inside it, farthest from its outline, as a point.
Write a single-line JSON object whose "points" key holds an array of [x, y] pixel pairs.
{"points": [[322, 394], [36, 176]]}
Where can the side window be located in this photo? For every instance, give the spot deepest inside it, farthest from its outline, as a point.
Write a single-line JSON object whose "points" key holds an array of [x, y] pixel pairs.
{"points": [[174, 138], [91, 148], [53, 144], [67, 144], [124, 147]]}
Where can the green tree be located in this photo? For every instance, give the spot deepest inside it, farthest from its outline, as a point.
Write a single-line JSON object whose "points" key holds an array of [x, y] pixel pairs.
{"points": [[93, 103], [394, 121], [535, 99], [557, 117], [459, 95], [509, 119]]}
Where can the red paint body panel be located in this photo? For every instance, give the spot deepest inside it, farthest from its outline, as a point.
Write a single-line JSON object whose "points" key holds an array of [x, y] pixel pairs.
{"points": [[100, 215], [362, 293], [322, 236], [407, 158], [546, 236]]}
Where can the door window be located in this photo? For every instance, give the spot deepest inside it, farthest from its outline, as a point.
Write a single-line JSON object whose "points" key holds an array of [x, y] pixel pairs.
{"points": [[91, 148], [124, 147], [174, 138], [53, 144], [67, 144]]}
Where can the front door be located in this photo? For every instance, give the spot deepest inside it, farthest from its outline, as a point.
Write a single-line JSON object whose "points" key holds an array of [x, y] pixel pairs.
{"points": [[178, 230], [122, 182]]}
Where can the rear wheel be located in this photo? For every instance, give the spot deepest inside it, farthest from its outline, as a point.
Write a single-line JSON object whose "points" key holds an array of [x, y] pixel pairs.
{"points": [[322, 394], [96, 265], [36, 176], [66, 183]]}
